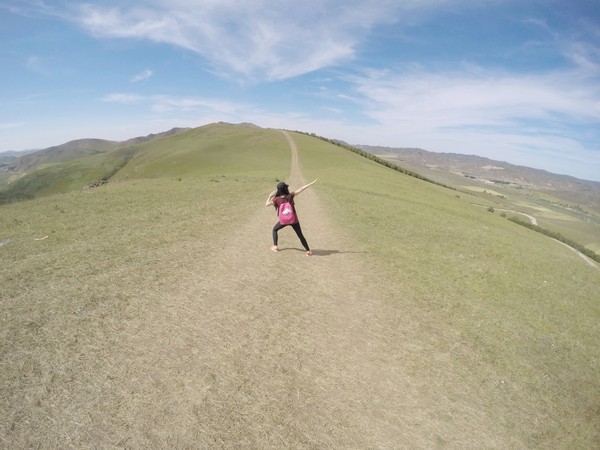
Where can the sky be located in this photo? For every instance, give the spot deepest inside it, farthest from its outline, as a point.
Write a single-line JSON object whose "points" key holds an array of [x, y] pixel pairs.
{"points": [[511, 80]]}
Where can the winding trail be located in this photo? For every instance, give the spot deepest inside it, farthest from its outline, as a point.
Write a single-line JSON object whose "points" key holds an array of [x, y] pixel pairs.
{"points": [[533, 220], [586, 258]]}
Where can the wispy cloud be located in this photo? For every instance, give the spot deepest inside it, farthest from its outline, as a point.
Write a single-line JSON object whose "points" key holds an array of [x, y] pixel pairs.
{"points": [[123, 98], [187, 104], [535, 93], [259, 39], [488, 113], [142, 76], [36, 64], [28, 7], [584, 56], [10, 125], [168, 103], [33, 63], [469, 99]]}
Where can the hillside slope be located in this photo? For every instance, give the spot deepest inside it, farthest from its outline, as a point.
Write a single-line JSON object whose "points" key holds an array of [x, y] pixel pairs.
{"points": [[151, 312], [63, 153], [565, 187], [562, 206], [68, 166]]}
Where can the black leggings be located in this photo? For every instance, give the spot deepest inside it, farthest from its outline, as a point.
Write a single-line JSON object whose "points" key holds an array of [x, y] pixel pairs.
{"points": [[296, 226]]}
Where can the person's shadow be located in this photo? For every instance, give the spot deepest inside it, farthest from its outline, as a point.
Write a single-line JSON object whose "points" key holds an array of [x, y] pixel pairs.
{"points": [[321, 252]]}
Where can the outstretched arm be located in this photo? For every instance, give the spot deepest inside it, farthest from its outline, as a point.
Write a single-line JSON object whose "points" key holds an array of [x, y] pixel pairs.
{"points": [[270, 198], [297, 191]]}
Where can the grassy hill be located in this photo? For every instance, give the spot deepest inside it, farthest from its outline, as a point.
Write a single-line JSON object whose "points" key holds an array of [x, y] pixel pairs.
{"points": [[569, 189], [559, 204], [489, 327], [68, 166]]}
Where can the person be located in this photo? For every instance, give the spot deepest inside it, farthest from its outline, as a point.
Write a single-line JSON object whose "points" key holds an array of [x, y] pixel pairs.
{"points": [[280, 196]]}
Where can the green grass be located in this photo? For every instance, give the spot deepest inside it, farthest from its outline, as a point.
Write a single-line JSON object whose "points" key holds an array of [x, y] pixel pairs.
{"points": [[504, 320], [111, 253], [518, 311], [579, 223], [60, 178], [212, 150], [217, 149], [80, 266]]}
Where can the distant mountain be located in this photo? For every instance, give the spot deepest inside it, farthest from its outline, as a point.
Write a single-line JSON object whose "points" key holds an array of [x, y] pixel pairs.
{"points": [[16, 154], [87, 163], [488, 170], [73, 150], [61, 153], [6, 158], [150, 137]]}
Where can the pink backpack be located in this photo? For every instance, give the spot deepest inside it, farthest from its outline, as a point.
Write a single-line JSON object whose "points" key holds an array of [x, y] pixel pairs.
{"points": [[285, 211]]}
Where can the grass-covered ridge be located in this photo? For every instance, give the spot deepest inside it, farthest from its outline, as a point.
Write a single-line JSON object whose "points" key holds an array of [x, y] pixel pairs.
{"points": [[377, 159], [508, 303], [486, 322], [558, 237], [590, 230], [209, 149]]}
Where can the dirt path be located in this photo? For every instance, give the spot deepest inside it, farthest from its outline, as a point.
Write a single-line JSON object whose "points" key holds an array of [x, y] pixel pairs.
{"points": [[533, 220], [530, 217], [255, 349], [587, 259], [288, 360]]}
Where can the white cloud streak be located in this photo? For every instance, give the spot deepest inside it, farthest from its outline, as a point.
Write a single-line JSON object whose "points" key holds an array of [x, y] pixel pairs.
{"points": [[467, 110], [431, 101], [167, 104], [142, 76], [259, 40], [123, 98], [187, 104], [549, 119], [11, 125]]}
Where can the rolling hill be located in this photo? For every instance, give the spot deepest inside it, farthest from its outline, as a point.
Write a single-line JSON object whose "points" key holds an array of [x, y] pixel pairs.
{"points": [[568, 188], [69, 166], [150, 312], [431, 164]]}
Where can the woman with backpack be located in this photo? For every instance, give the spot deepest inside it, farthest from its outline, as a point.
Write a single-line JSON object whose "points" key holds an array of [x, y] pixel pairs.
{"points": [[283, 201]]}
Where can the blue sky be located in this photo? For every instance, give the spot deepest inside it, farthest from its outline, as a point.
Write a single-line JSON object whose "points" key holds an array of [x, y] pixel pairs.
{"points": [[512, 80]]}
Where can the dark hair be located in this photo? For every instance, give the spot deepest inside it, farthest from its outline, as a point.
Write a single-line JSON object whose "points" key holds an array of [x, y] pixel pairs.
{"points": [[282, 189]]}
